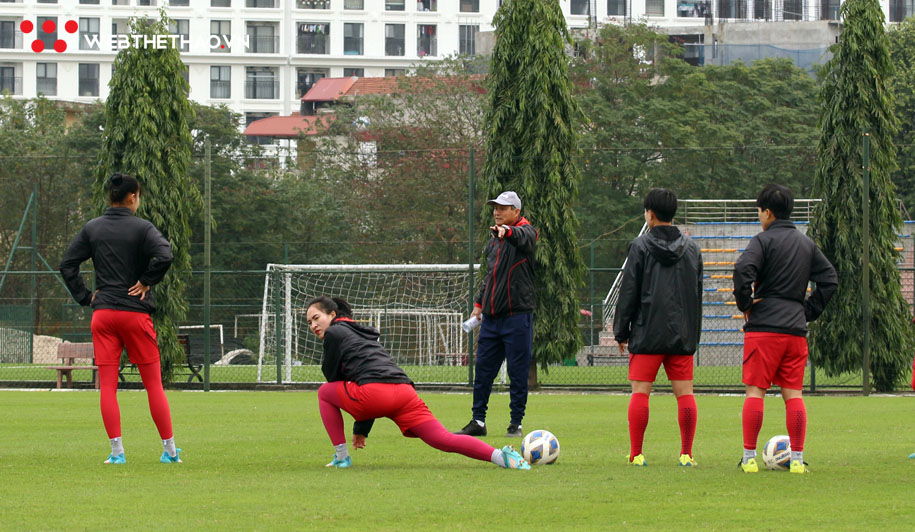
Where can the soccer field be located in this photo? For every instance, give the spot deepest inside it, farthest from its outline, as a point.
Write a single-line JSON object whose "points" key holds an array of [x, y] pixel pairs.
{"points": [[255, 461]]}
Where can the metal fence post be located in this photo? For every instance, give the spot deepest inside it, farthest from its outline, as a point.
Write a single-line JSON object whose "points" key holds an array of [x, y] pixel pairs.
{"points": [[278, 310], [866, 278], [591, 300], [470, 263], [207, 271]]}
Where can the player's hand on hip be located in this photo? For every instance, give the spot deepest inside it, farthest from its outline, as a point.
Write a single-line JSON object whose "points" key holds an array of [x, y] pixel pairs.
{"points": [[358, 441], [623, 347], [138, 289], [746, 313]]}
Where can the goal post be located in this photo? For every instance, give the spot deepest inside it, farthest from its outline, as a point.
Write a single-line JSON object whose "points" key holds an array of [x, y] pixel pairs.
{"points": [[418, 308]]}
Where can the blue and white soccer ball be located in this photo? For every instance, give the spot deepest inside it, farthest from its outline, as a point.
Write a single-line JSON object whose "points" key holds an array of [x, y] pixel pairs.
{"points": [[777, 453], [540, 447]]}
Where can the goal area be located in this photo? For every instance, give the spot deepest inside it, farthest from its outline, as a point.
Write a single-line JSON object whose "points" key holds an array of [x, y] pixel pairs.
{"points": [[417, 308]]}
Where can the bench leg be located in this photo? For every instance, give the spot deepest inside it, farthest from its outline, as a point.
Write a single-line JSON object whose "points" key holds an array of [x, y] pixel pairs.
{"points": [[59, 380], [195, 373]]}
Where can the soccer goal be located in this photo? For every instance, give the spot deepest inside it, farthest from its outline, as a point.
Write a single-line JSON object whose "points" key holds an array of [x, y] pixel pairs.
{"points": [[418, 308]]}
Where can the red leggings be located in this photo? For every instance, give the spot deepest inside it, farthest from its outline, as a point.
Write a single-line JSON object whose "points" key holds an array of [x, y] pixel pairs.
{"points": [[158, 403], [431, 432]]}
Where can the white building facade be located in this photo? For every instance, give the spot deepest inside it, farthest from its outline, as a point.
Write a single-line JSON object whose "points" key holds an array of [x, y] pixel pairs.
{"points": [[260, 56]]}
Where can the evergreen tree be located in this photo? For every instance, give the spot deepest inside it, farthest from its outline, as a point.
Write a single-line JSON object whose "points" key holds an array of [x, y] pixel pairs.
{"points": [[855, 97], [147, 136], [531, 148], [902, 54]]}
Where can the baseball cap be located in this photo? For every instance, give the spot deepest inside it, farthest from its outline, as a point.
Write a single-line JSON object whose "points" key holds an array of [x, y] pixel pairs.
{"points": [[506, 198]]}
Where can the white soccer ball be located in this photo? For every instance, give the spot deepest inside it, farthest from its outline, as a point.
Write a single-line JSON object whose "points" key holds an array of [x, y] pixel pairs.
{"points": [[777, 453], [540, 447]]}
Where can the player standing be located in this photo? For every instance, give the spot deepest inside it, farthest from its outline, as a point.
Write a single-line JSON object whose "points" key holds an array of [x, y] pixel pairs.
{"points": [[130, 255], [770, 285], [364, 381], [658, 315]]}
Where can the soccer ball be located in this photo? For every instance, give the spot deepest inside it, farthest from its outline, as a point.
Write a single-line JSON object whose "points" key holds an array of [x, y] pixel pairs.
{"points": [[777, 453], [540, 447]]}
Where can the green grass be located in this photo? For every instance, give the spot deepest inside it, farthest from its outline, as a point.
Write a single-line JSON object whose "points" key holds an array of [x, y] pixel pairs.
{"points": [[255, 461]]}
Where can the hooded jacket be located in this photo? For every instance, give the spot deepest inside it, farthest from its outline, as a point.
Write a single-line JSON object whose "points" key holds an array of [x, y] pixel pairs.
{"points": [[508, 287], [659, 309], [352, 353], [776, 268], [124, 249]]}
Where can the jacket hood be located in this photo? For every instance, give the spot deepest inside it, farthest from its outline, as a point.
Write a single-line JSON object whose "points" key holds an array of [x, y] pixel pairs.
{"points": [[362, 330], [666, 244]]}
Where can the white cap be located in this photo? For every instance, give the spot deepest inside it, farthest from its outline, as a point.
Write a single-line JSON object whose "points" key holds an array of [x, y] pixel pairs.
{"points": [[506, 198]]}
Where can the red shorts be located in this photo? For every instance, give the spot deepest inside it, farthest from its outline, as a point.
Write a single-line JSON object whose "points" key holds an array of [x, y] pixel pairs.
{"points": [[645, 367], [773, 358], [382, 399], [113, 330]]}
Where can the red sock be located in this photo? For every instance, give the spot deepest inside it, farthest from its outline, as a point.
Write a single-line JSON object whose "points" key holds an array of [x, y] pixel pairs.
{"points": [[108, 400], [151, 374], [796, 421], [752, 421], [687, 416], [638, 421]]}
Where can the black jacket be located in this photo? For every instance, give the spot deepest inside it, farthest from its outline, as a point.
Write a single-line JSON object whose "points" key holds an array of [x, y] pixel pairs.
{"points": [[659, 309], [776, 267], [352, 353], [124, 249], [508, 286]]}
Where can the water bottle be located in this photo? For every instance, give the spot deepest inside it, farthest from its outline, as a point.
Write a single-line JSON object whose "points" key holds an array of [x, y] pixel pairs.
{"points": [[471, 324]]}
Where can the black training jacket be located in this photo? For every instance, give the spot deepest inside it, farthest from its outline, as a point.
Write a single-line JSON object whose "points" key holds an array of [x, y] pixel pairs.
{"points": [[776, 267], [124, 249], [508, 286], [352, 353], [659, 310]]}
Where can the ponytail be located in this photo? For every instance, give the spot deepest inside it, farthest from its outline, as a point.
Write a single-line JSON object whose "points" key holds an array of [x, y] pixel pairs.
{"points": [[120, 185], [328, 305]]}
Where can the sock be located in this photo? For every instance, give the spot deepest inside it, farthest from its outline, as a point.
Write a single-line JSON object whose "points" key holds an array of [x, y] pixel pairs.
{"points": [[686, 416], [748, 454], [496, 458], [341, 451], [117, 446], [169, 446], [797, 456], [752, 423], [480, 423], [638, 422], [796, 422]]}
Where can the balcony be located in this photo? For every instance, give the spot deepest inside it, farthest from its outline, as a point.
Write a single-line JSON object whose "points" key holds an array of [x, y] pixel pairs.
{"points": [[47, 86], [262, 89], [11, 40], [220, 89], [262, 45], [11, 85]]}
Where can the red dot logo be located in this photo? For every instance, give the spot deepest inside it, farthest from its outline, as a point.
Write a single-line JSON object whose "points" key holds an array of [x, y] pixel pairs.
{"points": [[49, 27], [71, 26], [60, 46], [26, 26], [37, 46]]}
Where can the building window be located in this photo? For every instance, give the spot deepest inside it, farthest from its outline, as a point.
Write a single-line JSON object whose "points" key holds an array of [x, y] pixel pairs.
{"points": [[8, 81], [467, 39], [88, 33], [9, 37], [260, 3], [354, 4], [616, 8], [312, 4], [221, 32], [391, 72], [350, 72], [427, 5], [88, 79], [220, 3], [352, 39], [181, 28], [696, 8], [794, 10], [829, 10], [46, 78], [656, 7], [262, 39], [579, 7], [313, 38], [47, 1], [261, 84], [426, 40], [470, 6], [393, 39], [48, 38], [89, 2], [733, 8], [393, 5], [305, 79], [146, 3], [220, 82], [179, 3]]}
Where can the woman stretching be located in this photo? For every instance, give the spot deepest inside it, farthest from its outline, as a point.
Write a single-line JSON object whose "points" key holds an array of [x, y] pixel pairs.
{"points": [[130, 255], [363, 380]]}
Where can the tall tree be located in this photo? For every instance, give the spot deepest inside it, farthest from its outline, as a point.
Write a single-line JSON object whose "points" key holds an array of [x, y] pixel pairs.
{"points": [[855, 98], [532, 148], [147, 135], [902, 54]]}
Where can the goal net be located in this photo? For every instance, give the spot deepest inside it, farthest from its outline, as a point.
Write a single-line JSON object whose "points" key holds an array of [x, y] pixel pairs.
{"points": [[418, 309]]}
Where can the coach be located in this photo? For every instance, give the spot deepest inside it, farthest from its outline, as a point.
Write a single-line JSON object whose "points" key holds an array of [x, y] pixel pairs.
{"points": [[506, 303]]}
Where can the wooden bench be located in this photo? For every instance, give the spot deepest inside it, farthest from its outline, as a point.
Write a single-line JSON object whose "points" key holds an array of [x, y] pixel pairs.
{"points": [[69, 353], [126, 368]]}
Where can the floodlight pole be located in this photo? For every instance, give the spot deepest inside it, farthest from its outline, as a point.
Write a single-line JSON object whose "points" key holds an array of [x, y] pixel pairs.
{"points": [[865, 275]]}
